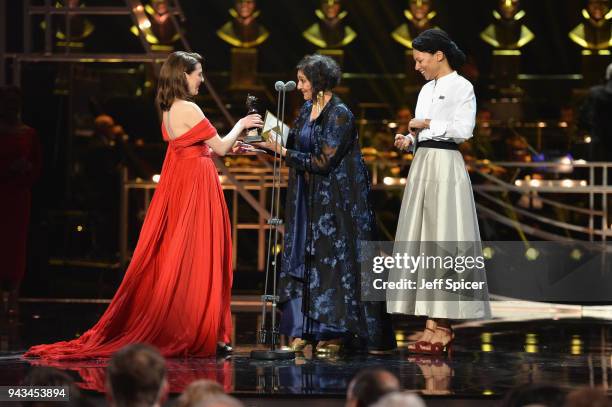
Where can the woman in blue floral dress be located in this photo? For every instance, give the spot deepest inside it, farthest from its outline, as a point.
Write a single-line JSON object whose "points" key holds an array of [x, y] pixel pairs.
{"points": [[327, 215]]}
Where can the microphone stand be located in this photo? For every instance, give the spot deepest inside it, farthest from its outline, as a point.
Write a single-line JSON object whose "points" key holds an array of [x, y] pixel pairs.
{"points": [[271, 335]]}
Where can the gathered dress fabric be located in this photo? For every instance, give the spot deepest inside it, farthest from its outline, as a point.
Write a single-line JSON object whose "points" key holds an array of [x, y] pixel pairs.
{"points": [[176, 292]]}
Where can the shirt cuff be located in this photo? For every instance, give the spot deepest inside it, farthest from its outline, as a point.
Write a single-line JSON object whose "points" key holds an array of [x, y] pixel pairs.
{"points": [[438, 127], [412, 143]]}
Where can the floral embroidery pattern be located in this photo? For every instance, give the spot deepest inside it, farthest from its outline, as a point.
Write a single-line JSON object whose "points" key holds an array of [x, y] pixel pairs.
{"points": [[339, 217]]}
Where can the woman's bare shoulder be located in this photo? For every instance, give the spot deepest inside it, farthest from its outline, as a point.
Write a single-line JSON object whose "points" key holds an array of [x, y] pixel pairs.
{"points": [[186, 106], [186, 111]]}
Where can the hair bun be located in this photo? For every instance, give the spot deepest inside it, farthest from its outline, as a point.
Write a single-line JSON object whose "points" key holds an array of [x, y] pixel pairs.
{"points": [[457, 55]]}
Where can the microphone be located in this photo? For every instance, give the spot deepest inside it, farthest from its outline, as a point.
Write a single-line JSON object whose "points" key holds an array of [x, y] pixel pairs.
{"points": [[289, 86], [279, 85]]}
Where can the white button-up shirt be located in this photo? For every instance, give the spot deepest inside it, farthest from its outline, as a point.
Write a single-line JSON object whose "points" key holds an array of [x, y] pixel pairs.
{"points": [[450, 104]]}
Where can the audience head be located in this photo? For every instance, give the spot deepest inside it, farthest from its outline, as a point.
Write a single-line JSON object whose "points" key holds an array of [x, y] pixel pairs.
{"points": [[537, 394], [136, 376], [199, 391], [221, 400], [49, 376], [587, 397], [400, 399], [369, 385]]}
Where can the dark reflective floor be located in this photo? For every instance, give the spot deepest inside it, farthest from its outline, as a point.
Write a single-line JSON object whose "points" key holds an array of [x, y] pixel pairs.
{"points": [[487, 359]]}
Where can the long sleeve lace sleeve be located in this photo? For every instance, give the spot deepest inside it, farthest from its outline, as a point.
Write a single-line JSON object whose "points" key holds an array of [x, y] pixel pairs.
{"points": [[337, 139]]}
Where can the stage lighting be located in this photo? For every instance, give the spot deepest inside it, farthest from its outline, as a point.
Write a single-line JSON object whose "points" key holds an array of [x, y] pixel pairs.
{"points": [[532, 254], [531, 343], [156, 178], [394, 181], [535, 183], [486, 338], [488, 253], [567, 183], [576, 347], [576, 254]]}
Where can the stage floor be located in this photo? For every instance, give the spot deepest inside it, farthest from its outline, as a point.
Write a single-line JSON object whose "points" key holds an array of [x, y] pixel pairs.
{"points": [[488, 358]]}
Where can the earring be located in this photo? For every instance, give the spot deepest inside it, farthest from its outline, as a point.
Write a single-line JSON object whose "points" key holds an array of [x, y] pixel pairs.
{"points": [[320, 100]]}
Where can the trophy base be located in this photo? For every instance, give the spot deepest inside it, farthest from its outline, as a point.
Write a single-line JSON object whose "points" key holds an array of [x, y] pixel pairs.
{"points": [[253, 139]]}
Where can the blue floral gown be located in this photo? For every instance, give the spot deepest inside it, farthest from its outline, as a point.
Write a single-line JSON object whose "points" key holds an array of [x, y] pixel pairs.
{"points": [[327, 214]]}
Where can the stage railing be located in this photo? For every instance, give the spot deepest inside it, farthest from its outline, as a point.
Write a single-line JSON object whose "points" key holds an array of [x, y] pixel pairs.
{"points": [[492, 192], [596, 188], [232, 179], [578, 188]]}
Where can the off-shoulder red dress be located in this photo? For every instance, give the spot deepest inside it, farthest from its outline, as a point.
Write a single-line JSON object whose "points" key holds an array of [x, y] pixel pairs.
{"points": [[177, 289]]}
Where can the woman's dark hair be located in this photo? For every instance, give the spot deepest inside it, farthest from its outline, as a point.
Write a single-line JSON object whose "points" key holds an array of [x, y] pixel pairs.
{"points": [[322, 72], [434, 40], [172, 83]]}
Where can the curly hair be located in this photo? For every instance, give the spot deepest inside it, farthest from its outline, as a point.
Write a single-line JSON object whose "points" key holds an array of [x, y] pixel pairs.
{"points": [[322, 72], [172, 83]]}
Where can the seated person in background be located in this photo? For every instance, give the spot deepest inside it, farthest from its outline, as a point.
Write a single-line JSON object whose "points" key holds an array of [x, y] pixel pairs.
{"points": [[369, 385], [136, 377], [587, 397], [400, 399], [50, 376], [198, 391], [220, 400], [596, 119], [403, 117]]}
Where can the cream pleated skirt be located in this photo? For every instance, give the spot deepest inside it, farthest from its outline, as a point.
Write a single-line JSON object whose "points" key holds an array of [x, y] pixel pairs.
{"points": [[438, 206]]}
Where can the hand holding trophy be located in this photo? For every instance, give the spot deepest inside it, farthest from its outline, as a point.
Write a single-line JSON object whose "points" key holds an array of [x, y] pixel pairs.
{"points": [[254, 134]]}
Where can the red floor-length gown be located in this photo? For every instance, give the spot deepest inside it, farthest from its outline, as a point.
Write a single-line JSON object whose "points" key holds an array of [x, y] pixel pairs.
{"points": [[177, 289], [20, 164]]}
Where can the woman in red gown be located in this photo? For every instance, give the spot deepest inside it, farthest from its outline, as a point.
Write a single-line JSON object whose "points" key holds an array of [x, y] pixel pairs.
{"points": [[177, 289], [20, 164]]}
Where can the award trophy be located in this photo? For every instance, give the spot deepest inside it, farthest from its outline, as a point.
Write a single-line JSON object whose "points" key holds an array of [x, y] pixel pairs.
{"points": [[253, 134]]}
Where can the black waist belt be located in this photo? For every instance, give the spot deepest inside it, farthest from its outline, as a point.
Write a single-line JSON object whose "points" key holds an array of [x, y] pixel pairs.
{"points": [[444, 145]]}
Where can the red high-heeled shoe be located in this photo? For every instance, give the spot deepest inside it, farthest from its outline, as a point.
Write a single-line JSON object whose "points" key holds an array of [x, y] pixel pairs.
{"points": [[437, 348], [418, 346]]}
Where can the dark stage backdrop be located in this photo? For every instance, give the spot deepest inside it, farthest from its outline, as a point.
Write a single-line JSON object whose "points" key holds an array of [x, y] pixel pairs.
{"points": [[373, 51]]}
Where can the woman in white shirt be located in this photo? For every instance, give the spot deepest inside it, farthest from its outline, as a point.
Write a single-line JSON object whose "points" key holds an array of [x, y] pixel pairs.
{"points": [[438, 204]]}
